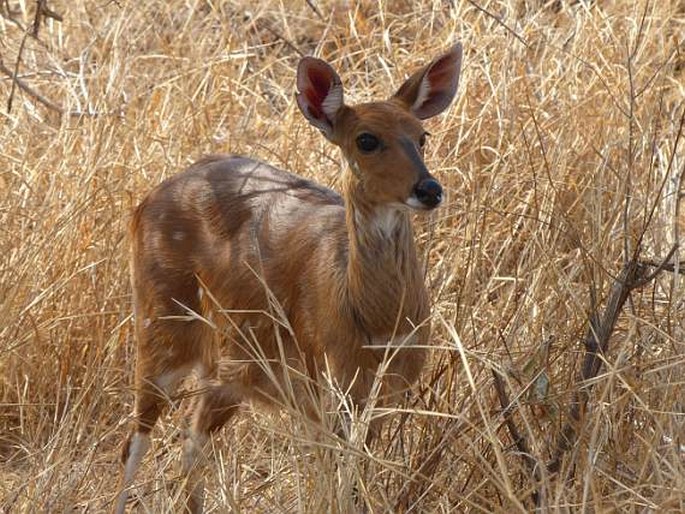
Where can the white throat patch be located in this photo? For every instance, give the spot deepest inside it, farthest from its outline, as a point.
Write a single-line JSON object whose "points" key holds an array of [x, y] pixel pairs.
{"points": [[386, 220]]}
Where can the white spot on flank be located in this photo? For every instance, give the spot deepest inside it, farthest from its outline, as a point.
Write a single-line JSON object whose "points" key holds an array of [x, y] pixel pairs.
{"points": [[398, 341], [147, 322], [168, 381], [178, 236]]}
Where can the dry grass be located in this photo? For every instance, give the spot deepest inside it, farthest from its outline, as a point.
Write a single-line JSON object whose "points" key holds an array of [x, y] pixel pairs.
{"points": [[560, 156]]}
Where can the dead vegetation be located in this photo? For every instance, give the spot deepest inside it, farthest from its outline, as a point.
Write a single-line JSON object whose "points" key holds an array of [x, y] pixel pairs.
{"points": [[557, 374]]}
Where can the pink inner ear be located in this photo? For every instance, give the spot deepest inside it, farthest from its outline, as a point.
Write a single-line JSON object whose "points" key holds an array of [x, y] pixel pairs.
{"points": [[313, 104], [317, 90], [441, 74], [438, 86]]}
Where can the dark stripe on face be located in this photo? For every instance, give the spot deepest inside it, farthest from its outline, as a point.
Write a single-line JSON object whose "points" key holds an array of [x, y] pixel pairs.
{"points": [[410, 151]]}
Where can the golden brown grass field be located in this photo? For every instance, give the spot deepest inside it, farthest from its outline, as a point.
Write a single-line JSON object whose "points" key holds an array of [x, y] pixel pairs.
{"points": [[557, 376]]}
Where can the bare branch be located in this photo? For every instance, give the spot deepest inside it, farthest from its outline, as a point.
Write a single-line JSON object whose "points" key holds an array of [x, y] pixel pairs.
{"points": [[280, 36], [499, 20], [42, 12], [519, 440], [314, 8], [27, 89], [664, 265], [596, 345]]}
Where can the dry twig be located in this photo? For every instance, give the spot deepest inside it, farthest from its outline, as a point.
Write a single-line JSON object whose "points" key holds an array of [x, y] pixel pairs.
{"points": [[42, 12], [28, 90], [632, 276]]}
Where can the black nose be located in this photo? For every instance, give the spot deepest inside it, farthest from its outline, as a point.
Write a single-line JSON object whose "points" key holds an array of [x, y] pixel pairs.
{"points": [[429, 192]]}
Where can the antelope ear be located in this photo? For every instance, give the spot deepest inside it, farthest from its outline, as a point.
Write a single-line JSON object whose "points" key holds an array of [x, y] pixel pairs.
{"points": [[320, 93], [430, 90]]}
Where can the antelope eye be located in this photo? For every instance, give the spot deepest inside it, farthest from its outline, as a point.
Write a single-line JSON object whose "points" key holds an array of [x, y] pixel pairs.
{"points": [[422, 140], [368, 143]]}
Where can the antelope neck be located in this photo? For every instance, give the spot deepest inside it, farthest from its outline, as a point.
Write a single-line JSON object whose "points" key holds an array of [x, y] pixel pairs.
{"points": [[382, 272]]}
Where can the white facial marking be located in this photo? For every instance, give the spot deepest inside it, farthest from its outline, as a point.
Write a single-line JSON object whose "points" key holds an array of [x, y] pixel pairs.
{"points": [[355, 168], [415, 203], [147, 322]]}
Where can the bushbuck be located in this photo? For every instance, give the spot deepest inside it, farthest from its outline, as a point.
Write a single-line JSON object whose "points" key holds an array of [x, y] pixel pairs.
{"points": [[217, 248]]}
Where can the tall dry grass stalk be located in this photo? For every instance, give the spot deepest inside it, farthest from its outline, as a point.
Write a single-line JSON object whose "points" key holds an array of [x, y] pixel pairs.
{"points": [[561, 159]]}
